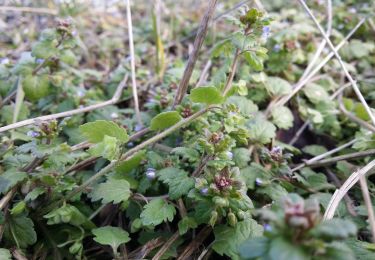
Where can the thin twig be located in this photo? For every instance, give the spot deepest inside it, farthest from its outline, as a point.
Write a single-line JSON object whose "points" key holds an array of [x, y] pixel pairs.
{"points": [[348, 201], [113, 100], [5, 200], [165, 247], [340, 193], [202, 235], [202, 31], [204, 73], [323, 43], [233, 69], [350, 156], [338, 57], [368, 203], [132, 62]]}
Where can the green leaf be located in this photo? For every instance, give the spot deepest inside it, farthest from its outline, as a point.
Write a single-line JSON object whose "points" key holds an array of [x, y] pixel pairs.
{"points": [[35, 87], [20, 230], [190, 154], [165, 120], [178, 181], [281, 249], [44, 49], [5, 254], [95, 131], [261, 130], [228, 239], [18, 208], [130, 164], [241, 156], [115, 191], [185, 224], [316, 93], [277, 86], [108, 148], [254, 248], [9, 179], [336, 229], [157, 211], [254, 61], [246, 106], [282, 117], [112, 236], [206, 95], [314, 149]]}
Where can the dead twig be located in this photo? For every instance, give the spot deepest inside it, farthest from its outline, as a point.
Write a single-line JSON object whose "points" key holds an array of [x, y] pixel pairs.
{"points": [[28, 10], [165, 247], [348, 184], [338, 57], [368, 203], [202, 235], [116, 97], [201, 34]]}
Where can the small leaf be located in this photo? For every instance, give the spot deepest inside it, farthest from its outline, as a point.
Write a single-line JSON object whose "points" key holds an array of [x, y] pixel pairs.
{"points": [[228, 239], [157, 211], [246, 106], [20, 229], [115, 191], [314, 149], [206, 95], [108, 148], [128, 165], [277, 86], [112, 236], [281, 249], [316, 93], [165, 120], [35, 87], [5, 254], [187, 153], [336, 229], [178, 181], [95, 131], [261, 130], [254, 248], [185, 224], [9, 179], [282, 117], [254, 61], [44, 49]]}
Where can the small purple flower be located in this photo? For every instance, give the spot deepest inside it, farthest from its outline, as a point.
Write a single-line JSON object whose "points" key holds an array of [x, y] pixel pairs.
{"points": [[4, 61], [39, 61], [277, 47], [130, 144], [204, 191], [352, 10], [33, 134], [74, 33], [267, 227], [150, 173], [80, 93], [138, 127], [229, 155], [266, 31], [258, 182]]}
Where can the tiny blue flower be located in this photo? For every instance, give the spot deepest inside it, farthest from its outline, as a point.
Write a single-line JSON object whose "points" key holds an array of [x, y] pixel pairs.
{"points": [[229, 155], [266, 32], [267, 227], [277, 47], [74, 33], [4, 61], [33, 134], [150, 173], [39, 61], [204, 191], [130, 144], [80, 93], [138, 127], [258, 182]]}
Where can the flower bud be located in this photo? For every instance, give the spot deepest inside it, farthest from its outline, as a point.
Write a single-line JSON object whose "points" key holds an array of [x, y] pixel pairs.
{"points": [[232, 219], [220, 202], [150, 173], [213, 218]]}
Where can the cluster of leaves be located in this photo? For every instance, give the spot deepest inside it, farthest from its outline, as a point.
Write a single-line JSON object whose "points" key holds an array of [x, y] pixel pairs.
{"points": [[207, 164]]}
